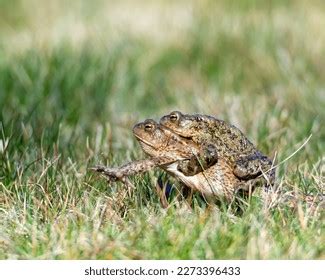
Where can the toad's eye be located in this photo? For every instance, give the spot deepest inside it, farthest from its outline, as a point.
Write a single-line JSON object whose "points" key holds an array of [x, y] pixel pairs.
{"points": [[173, 117], [148, 127]]}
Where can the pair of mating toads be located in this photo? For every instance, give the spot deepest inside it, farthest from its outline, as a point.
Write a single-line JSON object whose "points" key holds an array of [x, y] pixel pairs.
{"points": [[206, 154]]}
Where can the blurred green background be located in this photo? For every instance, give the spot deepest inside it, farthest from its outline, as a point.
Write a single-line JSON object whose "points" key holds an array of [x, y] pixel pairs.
{"points": [[75, 76]]}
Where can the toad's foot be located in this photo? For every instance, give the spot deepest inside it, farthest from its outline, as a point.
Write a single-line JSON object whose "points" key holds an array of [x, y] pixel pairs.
{"points": [[207, 157]]}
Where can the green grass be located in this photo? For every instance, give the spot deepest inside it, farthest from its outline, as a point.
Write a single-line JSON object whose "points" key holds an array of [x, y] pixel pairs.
{"points": [[75, 79]]}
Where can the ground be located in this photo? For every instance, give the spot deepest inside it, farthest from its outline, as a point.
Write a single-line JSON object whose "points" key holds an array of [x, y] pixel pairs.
{"points": [[75, 78]]}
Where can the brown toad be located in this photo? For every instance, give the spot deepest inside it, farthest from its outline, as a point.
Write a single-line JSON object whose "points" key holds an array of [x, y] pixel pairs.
{"points": [[167, 150], [246, 161]]}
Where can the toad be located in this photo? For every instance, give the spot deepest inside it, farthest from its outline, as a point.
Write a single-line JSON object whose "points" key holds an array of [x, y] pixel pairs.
{"points": [[204, 171], [245, 160]]}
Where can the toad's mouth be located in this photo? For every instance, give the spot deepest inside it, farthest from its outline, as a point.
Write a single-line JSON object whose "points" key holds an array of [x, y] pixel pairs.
{"points": [[145, 142], [142, 140], [164, 144], [177, 132]]}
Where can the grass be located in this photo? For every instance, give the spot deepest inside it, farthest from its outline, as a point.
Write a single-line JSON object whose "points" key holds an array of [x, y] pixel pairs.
{"points": [[75, 78]]}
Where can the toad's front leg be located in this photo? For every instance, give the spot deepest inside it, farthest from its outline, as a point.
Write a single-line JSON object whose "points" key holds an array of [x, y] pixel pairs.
{"points": [[122, 173], [130, 168], [207, 157]]}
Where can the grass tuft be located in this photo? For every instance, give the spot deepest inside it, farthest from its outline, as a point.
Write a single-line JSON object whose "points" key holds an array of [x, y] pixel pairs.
{"points": [[73, 85]]}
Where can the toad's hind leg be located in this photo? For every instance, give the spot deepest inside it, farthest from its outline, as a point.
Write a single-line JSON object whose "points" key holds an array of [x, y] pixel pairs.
{"points": [[253, 166]]}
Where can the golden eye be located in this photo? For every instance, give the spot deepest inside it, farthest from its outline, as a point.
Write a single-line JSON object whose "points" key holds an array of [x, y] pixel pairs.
{"points": [[149, 126], [173, 116]]}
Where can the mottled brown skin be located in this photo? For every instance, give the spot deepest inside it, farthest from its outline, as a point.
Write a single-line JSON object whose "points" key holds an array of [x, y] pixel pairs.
{"points": [[216, 180], [167, 150], [246, 161], [161, 143]]}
